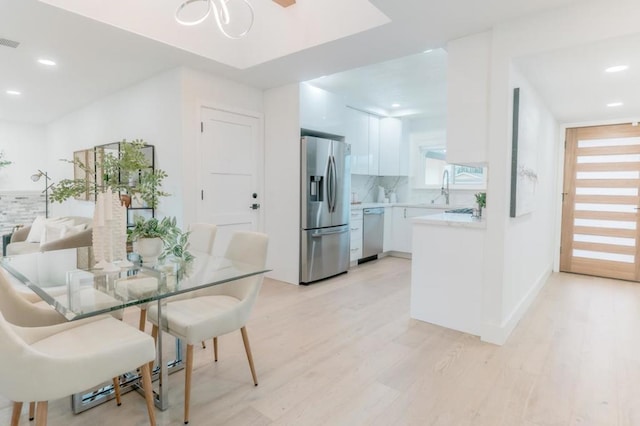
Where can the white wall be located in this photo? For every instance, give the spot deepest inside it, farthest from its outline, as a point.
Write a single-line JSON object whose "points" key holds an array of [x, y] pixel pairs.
{"points": [[529, 240], [150, 110], [282, 179], [25, 146]]}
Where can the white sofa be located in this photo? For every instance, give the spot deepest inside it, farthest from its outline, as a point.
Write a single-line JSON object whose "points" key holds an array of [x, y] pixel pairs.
{"points": [[20, 245]]}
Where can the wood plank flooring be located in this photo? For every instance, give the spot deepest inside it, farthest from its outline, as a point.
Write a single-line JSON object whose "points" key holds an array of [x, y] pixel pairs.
{"points": [[345, 352]]}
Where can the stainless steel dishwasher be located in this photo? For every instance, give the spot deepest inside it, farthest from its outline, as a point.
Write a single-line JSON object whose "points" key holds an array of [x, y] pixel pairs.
{"points": [[372, 233]]}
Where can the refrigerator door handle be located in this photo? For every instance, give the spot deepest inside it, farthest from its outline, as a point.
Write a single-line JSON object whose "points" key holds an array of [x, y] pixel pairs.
{"points": [[334, 183], [330, 179], [328, 184]]}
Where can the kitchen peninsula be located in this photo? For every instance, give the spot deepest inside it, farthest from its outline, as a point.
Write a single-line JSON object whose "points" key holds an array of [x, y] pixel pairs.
{"points": [[446, 272]]}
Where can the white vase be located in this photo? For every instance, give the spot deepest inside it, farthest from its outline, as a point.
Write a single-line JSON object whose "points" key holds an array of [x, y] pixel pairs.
{"points": [[109, 229], [149, 249]]}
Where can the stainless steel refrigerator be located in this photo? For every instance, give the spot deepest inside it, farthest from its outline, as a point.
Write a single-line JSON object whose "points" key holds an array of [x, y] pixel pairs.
{"points": [[324, 211]]}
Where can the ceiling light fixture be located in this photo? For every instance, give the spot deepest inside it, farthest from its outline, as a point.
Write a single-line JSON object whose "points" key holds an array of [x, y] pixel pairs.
{"points": [[617, 68], [14, 92], [615, 104], [395, 105], [47, 62], [428, 51], [221, 14]]}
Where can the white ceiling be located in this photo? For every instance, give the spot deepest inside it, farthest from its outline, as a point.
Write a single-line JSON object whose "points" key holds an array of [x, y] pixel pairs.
{"points": [[277, 31], [575, 86], [416, 82], [95, 59]]}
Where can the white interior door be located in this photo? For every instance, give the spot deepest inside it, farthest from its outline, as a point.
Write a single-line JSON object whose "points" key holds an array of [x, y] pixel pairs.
{"points": [[229, 170]]}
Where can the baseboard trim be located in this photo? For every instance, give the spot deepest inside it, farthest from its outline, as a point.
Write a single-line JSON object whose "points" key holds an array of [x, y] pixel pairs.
{"points": [[499, 333]]}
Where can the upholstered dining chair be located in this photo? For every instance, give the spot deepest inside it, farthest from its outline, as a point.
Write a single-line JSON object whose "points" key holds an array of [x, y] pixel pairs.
{"points": [[217, 310], [44, 363], [201, 239], [20, 312]]}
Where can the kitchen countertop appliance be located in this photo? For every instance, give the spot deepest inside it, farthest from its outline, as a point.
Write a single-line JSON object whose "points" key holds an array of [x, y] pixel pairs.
{"points": [[325, 208]]}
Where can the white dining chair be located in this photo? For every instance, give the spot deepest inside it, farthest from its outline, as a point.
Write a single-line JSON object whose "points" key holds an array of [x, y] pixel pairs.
{"points": [[45, 363], [217, 310], [201, 239], [20, 312]]}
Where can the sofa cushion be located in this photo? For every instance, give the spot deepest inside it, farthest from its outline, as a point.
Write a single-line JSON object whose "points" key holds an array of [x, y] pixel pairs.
{"points": [[58, 230], [22, 247], [38, 227]]}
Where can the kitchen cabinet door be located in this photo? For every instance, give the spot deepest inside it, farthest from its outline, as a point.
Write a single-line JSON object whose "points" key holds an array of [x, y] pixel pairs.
{"points": [[374, 145], [387, 242], [401, 238], [355, 226], [357, 134], [390, 152], [402, 226], [321, 111]]}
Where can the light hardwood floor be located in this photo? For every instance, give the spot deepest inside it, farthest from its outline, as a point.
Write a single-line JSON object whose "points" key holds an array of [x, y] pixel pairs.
{"points": [[345, 352]]}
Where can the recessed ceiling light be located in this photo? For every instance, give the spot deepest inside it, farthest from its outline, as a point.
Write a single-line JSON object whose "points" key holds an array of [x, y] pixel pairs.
{"points": [[14, 92], [47, 62], [428, 51], [395, 105], [617, 68], [615, 104]]}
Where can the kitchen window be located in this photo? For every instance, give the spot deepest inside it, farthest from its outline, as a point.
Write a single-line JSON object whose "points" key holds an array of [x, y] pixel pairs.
{"points": [[460, 176]]}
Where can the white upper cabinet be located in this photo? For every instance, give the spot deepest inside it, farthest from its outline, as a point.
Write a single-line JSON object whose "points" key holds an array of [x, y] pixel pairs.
{"points": [[392, 149], [357, 134], [378, 146], [321, 111], [468, 63], [374, 145]]}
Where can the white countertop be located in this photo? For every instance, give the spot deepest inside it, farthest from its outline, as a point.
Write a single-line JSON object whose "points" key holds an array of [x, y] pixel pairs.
{"points": [[418, 205], [451, 219]]}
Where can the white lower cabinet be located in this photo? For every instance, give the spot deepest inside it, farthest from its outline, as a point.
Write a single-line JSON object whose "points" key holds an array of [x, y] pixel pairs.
{"points": [[401, 238], [387, 241], [356, 234]]}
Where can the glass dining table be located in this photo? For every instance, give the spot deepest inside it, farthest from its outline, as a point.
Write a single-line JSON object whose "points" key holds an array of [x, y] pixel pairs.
{"points": [[65, 280]]}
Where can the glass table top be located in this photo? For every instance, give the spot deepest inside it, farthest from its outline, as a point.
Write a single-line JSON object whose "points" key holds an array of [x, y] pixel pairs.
{"points": [[65, 280]]}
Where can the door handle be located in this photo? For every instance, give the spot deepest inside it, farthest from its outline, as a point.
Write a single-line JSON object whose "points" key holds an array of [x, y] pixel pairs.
{"points": [[254, 206]]}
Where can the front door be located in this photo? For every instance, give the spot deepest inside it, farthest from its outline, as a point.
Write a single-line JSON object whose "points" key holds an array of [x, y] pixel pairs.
{"points": [[229, 170], [600, 202]]}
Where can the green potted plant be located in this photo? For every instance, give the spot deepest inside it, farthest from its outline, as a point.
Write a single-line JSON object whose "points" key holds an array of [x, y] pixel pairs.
{"points": [[481, 201], [148, 237], [127, 171], [176, 244], [155, 240]]}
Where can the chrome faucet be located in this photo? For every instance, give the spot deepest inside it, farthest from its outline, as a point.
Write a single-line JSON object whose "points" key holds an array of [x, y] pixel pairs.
{"points": [[443, 191]]}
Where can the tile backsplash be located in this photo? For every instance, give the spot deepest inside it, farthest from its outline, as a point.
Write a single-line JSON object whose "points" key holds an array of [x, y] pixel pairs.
{"points": [[19, 208], [366, 190], [366, 187]]}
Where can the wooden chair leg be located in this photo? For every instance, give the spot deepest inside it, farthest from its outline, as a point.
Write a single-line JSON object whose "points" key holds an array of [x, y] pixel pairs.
{"points": [[247, 348], [154, 334], [116, 388], [187, 382], [32, 410], [41, 413], [215, 349], [148, 393], [15, 414], [143, 319]]}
